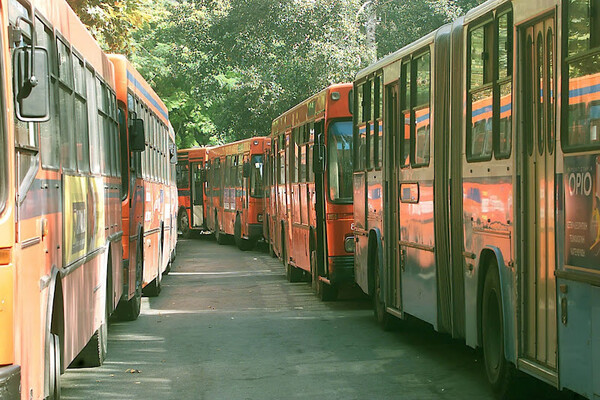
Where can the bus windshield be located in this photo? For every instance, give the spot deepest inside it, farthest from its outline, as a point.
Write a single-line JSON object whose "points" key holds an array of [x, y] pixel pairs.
{"points": [[256, 176], [339, 158]]}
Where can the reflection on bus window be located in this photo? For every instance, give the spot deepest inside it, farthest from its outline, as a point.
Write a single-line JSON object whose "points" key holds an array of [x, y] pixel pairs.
{"points": [[256, 176], [584, 102], [340, 161]]}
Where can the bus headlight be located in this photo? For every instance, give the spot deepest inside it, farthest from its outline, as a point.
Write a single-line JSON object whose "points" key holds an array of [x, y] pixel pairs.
{"points": [[259, 217], [349, 244]]}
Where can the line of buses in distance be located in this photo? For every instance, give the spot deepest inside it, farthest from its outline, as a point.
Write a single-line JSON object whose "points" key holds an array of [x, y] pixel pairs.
{"points": [[456, 181], [88, 201]]}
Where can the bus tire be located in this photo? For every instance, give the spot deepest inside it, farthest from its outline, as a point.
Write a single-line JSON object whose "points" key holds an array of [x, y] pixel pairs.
{"points": [[242, 244], [183, 222], [94, 352], [382, 317], [130, 310], [500, 372], [326, 291], [54, 368]]}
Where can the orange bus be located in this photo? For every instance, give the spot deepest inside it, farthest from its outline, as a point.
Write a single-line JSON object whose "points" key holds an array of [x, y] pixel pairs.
{"points": [[236, 191], [310, 203], [148, 219], [60, 216], [191, 186]]}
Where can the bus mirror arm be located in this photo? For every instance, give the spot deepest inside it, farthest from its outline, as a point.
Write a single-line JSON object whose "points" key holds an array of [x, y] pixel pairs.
{"points": [[137, 139]]}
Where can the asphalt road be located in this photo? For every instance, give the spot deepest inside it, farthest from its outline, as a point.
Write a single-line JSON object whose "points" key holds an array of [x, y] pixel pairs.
{"points": [[227, 325]]}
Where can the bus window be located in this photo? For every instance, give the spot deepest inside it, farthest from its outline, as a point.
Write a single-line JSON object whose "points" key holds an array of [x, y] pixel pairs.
{"points": [[67, 143], [404, 141], [584, 102], [339, 167], [49, 134], [92, 121], [81, 123], [422, 119], [256, 176], [480, 101], [504, 109]]}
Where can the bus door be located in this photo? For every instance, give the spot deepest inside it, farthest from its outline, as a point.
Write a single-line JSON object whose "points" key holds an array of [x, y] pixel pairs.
{"points": [[197, 194], [392, 294], [416, 216], [539, 256]]}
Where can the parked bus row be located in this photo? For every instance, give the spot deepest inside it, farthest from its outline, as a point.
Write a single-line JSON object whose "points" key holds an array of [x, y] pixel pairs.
{"points": [[87, 196], [468, 193], [292, 189]]}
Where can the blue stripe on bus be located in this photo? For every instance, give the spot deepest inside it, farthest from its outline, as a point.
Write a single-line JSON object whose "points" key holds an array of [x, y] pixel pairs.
{"points": [[584, 90], [148, 96], [482, 110], [423, 118]]}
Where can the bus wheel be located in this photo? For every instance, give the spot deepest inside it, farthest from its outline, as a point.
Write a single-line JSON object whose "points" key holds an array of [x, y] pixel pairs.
{"points": [[242, 244], [94, 352], [55, 366], [326, 291], [184, 224], [129, 310], [383, 318], [499, 371]]}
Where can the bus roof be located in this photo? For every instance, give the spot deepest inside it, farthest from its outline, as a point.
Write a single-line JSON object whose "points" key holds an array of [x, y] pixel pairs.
{"points": [[321, 99], [238, 147], [68, 25], [127, 76]]}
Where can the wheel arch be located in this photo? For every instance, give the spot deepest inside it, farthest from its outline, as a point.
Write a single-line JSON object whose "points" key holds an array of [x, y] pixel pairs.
{"points": [[488, 255], [55, 322], [374, 249]]}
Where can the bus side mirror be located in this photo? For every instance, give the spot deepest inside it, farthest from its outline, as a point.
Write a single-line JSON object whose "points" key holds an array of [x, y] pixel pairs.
{"points": [[319, 156], [246, 169], [31, 84], [137, 137], [173, 151]]}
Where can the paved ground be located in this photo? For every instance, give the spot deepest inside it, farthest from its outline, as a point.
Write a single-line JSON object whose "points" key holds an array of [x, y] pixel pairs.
{"points": [[227, 325]]}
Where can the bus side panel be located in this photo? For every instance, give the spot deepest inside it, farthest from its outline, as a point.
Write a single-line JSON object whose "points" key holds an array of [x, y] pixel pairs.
{"points": [[579, 333]]}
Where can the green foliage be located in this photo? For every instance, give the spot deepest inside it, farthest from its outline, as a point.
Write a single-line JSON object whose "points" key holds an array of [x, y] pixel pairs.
{"points": [[227, 68], [111, 22]]}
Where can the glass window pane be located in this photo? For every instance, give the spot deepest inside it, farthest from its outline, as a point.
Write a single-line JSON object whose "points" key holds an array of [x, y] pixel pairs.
{"points": [[584, 102], [67, 142], [423, 80], [422, 132], [65, 72], [339, 160], [92, 111], [479, 142], [578, 26], [505, 125], [81, 132], [476, 58], [504, 46]]}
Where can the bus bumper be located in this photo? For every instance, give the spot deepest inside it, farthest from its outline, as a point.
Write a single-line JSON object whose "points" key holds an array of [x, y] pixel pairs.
{"points": [[255, 231], [341, 269], [10, 382]]}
